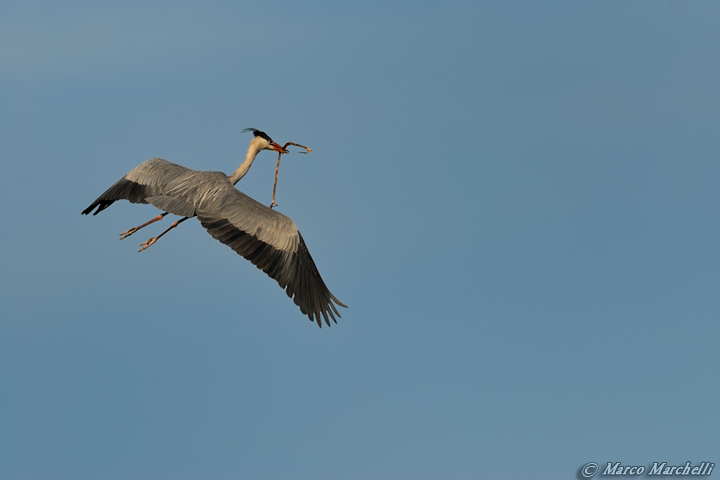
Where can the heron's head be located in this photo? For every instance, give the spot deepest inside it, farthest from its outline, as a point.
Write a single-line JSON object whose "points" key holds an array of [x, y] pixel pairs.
{"points": [[264, 142]]}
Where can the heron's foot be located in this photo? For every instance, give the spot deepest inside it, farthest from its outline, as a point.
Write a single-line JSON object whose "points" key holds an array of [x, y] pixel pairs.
{"points": [[124, 235], [145, 245], [273, 205]]}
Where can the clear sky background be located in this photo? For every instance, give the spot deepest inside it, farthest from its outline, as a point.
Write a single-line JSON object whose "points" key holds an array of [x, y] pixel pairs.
{"points": [[518, 201]]}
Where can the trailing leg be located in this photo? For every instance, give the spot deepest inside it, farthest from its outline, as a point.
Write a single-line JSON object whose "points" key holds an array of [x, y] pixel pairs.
{"points": [[145, 245], [124, 235]]}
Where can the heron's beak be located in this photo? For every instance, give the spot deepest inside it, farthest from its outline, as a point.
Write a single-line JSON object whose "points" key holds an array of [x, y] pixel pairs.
{"points": [[277, 148]]}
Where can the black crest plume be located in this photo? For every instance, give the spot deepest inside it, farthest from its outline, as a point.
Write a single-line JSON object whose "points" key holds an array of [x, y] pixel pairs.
{"points": [[258, 133]]}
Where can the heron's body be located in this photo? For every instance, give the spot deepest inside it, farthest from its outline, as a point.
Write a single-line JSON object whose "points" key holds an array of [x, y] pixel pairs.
{"points": [[267, 238]]}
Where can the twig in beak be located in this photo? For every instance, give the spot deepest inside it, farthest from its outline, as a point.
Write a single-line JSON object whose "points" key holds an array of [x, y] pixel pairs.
{"points": [[277, 168]]}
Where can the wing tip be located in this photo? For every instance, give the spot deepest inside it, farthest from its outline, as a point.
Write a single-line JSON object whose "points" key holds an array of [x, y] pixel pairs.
{"points": [[327, 313], [100, 204]]}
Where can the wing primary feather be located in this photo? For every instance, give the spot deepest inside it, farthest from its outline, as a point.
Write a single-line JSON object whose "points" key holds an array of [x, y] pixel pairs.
{"points": [[294, 271]]}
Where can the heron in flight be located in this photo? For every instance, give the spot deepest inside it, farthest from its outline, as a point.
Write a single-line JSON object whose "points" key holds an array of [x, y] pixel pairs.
{"points": [[267, 238]]}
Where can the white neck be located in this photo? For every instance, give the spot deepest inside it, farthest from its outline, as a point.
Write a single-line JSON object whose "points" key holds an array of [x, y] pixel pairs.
{"points": [[252, 152]]}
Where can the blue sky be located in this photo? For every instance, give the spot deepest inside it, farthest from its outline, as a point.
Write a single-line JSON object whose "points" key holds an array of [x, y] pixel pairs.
{"points": [[518, 201]]}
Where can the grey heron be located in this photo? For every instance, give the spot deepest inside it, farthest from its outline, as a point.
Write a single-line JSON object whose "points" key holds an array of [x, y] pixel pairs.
{"points": [[267, 238]]}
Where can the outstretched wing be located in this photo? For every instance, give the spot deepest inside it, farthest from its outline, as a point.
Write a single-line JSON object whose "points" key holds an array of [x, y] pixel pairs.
{"points": [[272, 242], [148, 179]]}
